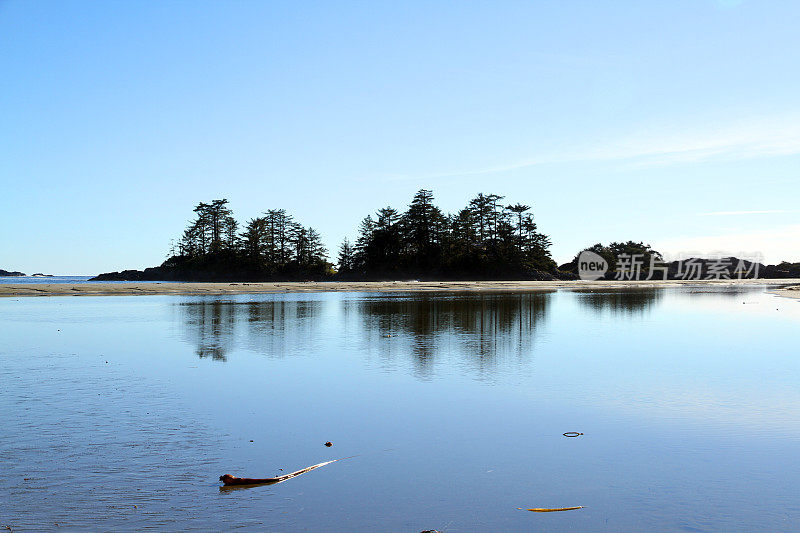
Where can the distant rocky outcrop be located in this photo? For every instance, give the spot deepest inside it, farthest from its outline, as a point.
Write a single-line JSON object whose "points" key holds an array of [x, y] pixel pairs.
{"points": [[242, 273], [210, 269], [6, 273], [226, 268], [148, 274]]}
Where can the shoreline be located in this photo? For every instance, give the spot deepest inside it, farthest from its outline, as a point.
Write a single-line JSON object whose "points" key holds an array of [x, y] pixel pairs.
{"points": [[784, 287]]}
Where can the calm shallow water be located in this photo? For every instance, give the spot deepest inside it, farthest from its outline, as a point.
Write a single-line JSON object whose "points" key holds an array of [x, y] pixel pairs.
{"points": [[57, 279], [122, 412], [44, 279]]}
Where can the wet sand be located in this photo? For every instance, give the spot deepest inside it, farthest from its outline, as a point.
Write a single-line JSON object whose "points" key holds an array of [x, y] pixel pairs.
{"points": [[785, 287], [789, 292]]}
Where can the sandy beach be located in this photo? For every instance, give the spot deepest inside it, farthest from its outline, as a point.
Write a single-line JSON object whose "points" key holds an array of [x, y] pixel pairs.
{"points": [[784, 287]]}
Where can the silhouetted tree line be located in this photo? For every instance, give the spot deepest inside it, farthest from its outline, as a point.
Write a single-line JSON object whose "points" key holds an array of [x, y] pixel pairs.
{"points": [[273, 246], [485, 239]]}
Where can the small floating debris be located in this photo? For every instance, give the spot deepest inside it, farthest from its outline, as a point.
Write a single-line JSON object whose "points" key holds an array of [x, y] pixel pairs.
{"points": [[547, 510], [572, 434], [329, 444]]}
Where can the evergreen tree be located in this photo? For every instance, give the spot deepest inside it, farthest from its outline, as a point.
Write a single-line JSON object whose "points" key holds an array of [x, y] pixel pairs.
{"points": [[345, 257], [519, 210], [361, 257], [422, 227]]}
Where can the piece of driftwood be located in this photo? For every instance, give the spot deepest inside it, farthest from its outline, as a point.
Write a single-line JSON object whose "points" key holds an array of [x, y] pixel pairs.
{"points": [[229, 480], [546, 510]]}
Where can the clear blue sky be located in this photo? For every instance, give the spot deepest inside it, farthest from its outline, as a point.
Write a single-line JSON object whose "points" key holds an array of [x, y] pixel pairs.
{"points": [[677, 123]]}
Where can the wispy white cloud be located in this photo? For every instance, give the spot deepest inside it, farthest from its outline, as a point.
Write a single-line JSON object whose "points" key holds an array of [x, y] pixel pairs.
{"points": [[734, 213], [480, 170], [765, 137], [735, 142]]}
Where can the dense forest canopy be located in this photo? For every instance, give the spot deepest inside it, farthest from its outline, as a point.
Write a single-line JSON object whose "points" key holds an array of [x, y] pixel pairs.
{"points": [[485, 239], [271, 246]]}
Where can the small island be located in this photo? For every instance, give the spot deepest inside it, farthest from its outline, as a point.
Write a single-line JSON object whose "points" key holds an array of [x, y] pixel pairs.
{"points": [[13, 274], [487, 240]]}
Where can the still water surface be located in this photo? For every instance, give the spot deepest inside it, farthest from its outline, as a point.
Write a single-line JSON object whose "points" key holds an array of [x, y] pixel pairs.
{"points": [[72, 280], [120, 413]]}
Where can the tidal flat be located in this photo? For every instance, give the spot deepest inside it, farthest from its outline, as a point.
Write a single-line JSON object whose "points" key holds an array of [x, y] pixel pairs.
{"points": [[120, 412], [92, 288]]}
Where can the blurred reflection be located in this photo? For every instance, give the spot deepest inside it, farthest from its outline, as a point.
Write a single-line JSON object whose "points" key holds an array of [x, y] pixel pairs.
{"points": [[268, 327], [627, 302], [479, 330], [477, 327], [209, 325], [723, 292]]}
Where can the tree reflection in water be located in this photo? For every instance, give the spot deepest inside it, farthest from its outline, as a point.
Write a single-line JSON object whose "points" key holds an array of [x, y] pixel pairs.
{"points": [[476, 327], [626, 302], [484, 332], [480, 330], [268, 327], [209, 325]]}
